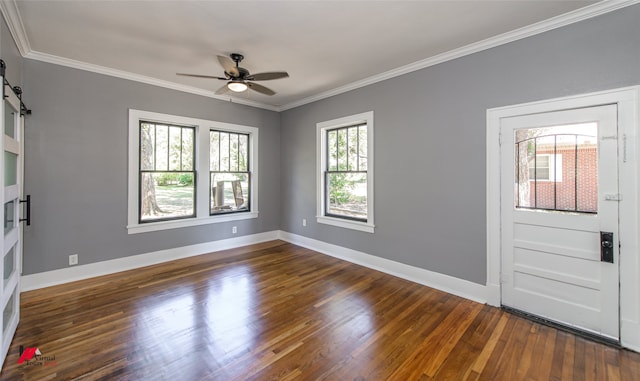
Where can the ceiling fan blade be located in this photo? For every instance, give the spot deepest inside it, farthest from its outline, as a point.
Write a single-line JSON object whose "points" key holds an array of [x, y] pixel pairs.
{"points": [[222, 90], [202, 76], [261, 89], [228, 65], [268, 76]]}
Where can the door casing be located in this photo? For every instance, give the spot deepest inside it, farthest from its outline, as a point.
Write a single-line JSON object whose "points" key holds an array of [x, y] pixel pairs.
{"points": [[627, 100]]}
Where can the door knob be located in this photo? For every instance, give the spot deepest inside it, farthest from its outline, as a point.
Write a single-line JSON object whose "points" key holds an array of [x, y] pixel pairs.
{"points": [[606, 247]]}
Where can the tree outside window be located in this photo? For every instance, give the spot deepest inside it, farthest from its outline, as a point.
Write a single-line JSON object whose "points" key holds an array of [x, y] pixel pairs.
{"points": [[167, 172], [346, 173]]}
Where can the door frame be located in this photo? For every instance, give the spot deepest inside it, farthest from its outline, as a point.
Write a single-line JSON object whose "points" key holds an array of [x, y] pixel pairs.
{"points": [[627, 99]]}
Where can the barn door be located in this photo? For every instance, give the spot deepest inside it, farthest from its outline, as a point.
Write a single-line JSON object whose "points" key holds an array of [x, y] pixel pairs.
{"points": [[11, 242]]}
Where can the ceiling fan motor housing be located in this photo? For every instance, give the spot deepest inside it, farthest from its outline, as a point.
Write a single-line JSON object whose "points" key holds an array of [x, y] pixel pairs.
{"points": [[242, 72], [236, 57]]}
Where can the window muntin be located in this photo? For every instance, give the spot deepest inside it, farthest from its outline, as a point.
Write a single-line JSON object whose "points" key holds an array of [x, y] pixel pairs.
{"points": [[167, 172], [557, 168], [229, 172], [346, 172]]}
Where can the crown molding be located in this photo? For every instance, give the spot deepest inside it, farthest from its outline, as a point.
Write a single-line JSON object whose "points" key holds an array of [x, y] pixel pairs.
{"points": [[581, 14], [11, 14], [49, 58]]}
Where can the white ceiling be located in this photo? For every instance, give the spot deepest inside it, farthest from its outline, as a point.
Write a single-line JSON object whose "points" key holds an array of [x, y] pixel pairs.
{"points": [[326, 46]]}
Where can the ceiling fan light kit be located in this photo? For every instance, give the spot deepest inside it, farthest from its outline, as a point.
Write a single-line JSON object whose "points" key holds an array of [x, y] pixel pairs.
{"points": [[238, 78], [237, 86]]}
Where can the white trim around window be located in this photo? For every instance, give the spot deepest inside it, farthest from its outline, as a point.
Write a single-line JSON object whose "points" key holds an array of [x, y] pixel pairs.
{"points": [[201, 166], [321, 164]]}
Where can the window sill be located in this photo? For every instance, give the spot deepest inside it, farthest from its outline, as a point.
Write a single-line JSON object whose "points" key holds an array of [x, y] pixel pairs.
{"points": [[165, 225], [348, 224]]}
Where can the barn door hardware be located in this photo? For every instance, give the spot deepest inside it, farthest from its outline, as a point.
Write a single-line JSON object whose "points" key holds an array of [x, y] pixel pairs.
{"points": [[28, 218]]}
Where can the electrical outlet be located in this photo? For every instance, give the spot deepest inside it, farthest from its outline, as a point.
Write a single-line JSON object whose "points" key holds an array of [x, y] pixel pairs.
{"points": [[304, 222], [234, 229], [73, 259]]}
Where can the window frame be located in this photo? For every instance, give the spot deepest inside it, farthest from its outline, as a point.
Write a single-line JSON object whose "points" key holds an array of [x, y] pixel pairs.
{"points": [[201, 167], [322, 166]]}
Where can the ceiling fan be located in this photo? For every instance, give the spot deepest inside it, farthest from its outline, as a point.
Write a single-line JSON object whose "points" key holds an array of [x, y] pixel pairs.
{"points": [[238, 78]]}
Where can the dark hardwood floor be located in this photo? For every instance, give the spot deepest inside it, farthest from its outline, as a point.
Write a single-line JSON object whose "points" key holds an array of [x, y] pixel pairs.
{"points": [[276, 311]]}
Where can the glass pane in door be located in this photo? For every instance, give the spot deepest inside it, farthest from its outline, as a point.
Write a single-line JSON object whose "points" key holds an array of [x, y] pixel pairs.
{"points": [[556, 168], [9, 265], [9, 121], [8, 312], [9, 216], [10, 169]]}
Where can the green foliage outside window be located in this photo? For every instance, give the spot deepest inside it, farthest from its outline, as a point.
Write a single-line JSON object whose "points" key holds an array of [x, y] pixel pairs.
{"points": [[347, 170]]}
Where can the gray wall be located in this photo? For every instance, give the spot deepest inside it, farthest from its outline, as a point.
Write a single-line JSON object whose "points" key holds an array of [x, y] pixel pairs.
{"points": [[430, 139], [76, 165]]}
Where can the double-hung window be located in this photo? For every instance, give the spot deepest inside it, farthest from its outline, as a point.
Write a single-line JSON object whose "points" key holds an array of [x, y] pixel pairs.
{"points": [[229, 172], [345, 172], [187, 171]]}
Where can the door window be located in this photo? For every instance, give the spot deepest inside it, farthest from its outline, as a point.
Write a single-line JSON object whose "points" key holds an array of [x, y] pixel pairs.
{"points": [[557, 168]]}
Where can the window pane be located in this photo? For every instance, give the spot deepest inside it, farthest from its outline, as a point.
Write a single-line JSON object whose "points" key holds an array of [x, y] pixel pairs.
{"points": [[166, 195], [362, 149], [586, 164], [214, 150], [9, 120], [162, 148], [542, 161], [224, 151], [229, 192], [175, 148], [342, 149], [10, 168], [332, 149], [243, 143], [557, 168], [8, 313], [347, 195], [233, 152], [147, 149], [352, 149], [9, 265], [187, 148], [565, 168], [9, 216]]}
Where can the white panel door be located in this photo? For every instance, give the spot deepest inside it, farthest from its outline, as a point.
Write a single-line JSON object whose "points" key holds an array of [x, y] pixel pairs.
{"points": [[559, 191], [11, 164]]}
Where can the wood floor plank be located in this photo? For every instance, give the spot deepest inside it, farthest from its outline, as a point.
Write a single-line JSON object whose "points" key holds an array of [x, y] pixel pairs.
{"points": [[276, 311], [483, 357]]}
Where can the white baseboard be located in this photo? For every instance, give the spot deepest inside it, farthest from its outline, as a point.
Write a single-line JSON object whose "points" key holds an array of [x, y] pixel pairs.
{"points": [[71, 274], [446, 283], [456, 286], [630, 334]]}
